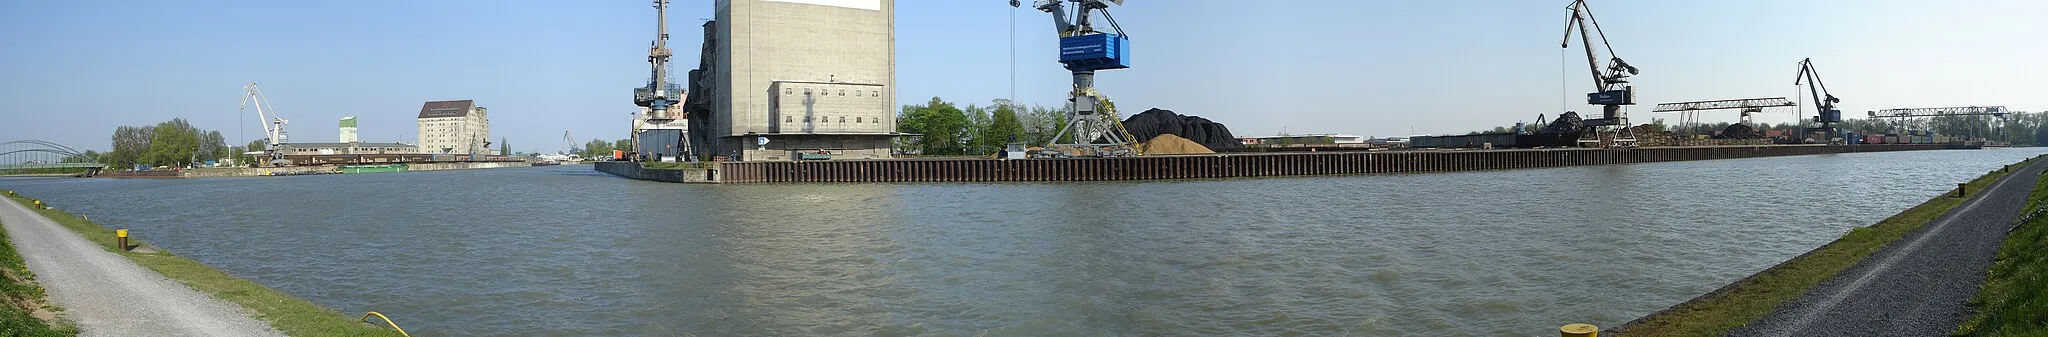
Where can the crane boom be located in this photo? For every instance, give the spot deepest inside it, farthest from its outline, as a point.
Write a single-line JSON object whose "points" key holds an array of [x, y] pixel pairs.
{"points": [[1092, 120], [273, 127]]}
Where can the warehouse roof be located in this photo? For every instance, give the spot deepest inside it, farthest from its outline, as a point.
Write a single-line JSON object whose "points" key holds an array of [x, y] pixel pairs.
{"points": [[438, 109]]}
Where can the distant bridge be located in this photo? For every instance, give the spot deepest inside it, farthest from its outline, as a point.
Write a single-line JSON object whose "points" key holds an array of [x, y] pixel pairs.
{"points": [[43, 157]]}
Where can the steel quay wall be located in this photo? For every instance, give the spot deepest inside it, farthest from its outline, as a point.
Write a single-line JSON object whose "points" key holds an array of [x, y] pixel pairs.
{"points": [[1234, 165]]}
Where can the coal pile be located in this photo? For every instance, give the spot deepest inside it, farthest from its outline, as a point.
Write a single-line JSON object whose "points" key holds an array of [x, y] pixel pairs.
{"points": [[1569, 122], [1155, 122], [1739, 131]]}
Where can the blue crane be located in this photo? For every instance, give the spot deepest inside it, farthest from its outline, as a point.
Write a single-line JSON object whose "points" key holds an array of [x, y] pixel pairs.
{"points": [[1092, 121]]}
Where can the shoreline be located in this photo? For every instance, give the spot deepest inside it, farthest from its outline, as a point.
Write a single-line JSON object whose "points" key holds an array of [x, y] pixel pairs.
{"points": [[1753, 297]]}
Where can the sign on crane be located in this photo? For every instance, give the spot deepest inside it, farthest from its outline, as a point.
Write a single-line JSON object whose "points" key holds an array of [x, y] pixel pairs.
{"points": [[273, 130], [1611, 89]]}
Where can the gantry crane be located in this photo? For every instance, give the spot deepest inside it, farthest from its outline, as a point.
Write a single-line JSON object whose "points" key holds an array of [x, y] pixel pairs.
{"points": [[1823, 102], [1612, 89], [1092, 121], [1905, 113], [660, 97], [1689, 111], [273, 127]]}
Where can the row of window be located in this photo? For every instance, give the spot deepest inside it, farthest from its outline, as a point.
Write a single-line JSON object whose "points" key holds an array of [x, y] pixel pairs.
{"points": [[823, 119], [842, 92]]}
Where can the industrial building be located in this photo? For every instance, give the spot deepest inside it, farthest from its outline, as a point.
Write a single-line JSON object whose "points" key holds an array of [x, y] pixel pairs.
{"points": [[798, 79], [454, 127], [348, 130]]}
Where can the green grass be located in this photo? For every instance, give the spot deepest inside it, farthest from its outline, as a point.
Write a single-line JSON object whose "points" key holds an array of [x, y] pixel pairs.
{"points": [[290, 314], [22, 297], [2014, 298], [1754, 297]]}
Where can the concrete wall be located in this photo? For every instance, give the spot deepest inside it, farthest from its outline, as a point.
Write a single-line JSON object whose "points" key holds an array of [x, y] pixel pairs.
{"points": [[819, 44]]}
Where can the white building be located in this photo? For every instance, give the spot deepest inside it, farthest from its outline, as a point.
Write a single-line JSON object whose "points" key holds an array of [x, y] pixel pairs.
{"points": [[348, 130], [455, 127]]}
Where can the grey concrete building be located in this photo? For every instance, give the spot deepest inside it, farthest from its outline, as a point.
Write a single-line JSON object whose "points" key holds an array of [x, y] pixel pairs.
{"points": [[814, 78], [455, 127]]}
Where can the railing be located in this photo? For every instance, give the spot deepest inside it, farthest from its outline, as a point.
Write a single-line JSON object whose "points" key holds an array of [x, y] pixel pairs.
{"points": [[387, 321]]}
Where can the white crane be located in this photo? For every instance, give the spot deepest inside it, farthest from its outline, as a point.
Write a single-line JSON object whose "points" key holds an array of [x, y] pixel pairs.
{"points": [[273, 129]]}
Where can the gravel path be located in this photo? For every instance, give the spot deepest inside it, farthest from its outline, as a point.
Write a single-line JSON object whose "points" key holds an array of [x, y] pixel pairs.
{"points": [[108, 295], [1919, 285]]}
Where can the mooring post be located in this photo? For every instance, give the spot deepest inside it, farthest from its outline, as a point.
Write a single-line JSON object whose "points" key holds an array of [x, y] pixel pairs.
{"points": [[1579, 330], [121, 239], [1959, 189]]}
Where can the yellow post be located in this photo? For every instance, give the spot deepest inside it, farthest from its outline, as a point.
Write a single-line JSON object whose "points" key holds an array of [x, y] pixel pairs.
{"points": [[121, 239], [39, 204], [1579, 330]]}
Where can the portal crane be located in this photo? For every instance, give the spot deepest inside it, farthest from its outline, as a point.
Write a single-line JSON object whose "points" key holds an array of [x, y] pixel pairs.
{"points": [[660, 98], [1092, 121], [273, 130], [1611, 86], [1823, 102]]}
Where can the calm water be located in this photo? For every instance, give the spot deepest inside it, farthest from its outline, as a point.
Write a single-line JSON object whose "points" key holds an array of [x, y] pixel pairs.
{"points": [[567, 251]]}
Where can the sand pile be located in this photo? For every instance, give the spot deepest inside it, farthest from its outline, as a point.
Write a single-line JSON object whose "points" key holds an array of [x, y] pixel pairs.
{"points": [[1171, 144]]}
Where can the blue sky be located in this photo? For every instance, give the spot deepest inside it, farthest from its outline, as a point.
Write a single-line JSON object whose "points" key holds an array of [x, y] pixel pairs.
{"points": [[71, 71]]}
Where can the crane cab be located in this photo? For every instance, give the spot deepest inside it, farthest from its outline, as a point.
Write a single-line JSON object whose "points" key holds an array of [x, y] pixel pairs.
{"points": [[1095, 52]]}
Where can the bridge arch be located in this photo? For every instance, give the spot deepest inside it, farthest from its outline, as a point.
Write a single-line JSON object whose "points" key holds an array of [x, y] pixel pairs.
{"points": [[39, 154]]}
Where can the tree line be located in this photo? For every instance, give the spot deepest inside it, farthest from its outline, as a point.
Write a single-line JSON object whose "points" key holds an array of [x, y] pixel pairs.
{"points": [[944, 128], [173, 143]]}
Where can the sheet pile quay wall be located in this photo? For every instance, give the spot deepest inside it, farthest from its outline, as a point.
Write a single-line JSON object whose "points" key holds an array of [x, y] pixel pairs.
{"points": [[1215, 166]]}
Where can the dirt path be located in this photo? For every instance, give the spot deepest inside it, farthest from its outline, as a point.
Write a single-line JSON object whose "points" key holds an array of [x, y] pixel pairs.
{"points": [[108, 295], [1919, 285]]}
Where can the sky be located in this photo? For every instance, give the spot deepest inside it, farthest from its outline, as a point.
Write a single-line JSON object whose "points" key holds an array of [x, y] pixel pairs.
{"points": [[72, 71]]}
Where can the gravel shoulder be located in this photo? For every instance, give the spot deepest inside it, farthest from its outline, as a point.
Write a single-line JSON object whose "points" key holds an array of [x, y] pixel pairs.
{"points": [[1919, 285], [107, 295]]}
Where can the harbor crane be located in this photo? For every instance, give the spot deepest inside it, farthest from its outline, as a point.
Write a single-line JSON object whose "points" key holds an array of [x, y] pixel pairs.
{"points": [[1689, 111], [1612, 90], [1825, 112], [1092, 120], [660, 97], [273, 127], [1907, 113]]}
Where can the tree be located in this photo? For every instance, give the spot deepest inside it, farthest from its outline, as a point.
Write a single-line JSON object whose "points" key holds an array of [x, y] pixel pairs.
{"points": [[1004, 127], [1041, 123], [943, 126], [622, 145]]}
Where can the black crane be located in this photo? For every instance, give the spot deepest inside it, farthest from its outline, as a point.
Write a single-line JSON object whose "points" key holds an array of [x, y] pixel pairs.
{"points": [[1611, 85], [1823, 102]]}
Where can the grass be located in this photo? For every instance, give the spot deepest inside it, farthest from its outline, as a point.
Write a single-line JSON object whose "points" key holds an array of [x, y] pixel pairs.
{"points": [[23, 298], [2014, 298], [290, 314], [1754, 297]]}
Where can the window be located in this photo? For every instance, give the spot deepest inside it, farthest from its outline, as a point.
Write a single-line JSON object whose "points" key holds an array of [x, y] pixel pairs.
{"points": [[856, 119], [807, 92], [787, 119], [807, 119], [842, 92], [786, 91], [842, 119], [877, 94]]}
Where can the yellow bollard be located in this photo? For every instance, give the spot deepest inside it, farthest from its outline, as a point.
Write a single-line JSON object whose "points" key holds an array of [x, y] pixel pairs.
{"points": [[39, 204], [121, 239], [1579, 330]]}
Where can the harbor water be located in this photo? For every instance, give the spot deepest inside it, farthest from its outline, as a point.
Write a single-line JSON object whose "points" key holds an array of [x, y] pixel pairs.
{"points": [[567, 251]]}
